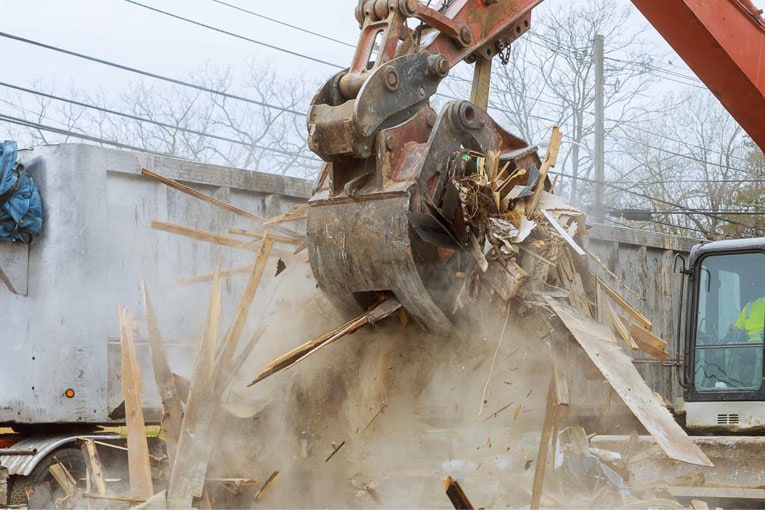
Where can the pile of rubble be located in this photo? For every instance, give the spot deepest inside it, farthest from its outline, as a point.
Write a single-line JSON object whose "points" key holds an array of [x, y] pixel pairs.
{"points": [[526, 243]]}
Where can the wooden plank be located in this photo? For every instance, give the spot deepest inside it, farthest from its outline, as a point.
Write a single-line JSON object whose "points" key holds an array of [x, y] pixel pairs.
{"points": [[551, 158], [113, 497], [649, 343], [230, 341], [93, 461], [479, 90], [562, 232], [190, 466], [456, 495], [172, 408], [603, 315], [505, 278], [270, 481], [299, 212], [619, 328], [298, 354], [212, 200], [548, 424], [64, 478], [475, 250], [202, 235], [560, 361], [138, 450], [581, 296], [536, 256], [206, 277], [616, 366], [260, 235], [632, 311]]}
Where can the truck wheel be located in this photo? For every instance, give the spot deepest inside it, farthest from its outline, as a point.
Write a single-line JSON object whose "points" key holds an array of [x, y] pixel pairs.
{"points": [[71, 458]]}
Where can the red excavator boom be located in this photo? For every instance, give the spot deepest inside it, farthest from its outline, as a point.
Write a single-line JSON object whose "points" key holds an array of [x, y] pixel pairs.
{"points": [[723, 41]]}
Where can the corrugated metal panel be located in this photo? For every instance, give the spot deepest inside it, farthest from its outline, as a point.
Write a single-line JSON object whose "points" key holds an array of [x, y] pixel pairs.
{"points": [[42, 445]]}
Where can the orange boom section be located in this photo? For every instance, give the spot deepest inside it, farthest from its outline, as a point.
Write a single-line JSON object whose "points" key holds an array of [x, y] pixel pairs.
{"points": [[723, 41]]}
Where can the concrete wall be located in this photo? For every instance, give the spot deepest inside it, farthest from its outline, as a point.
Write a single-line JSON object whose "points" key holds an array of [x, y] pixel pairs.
{"points": [[60, 327], [644, 262], [97, 246]]}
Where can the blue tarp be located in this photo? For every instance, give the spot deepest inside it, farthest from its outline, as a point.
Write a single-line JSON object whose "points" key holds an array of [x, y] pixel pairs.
{"points": [[20, 204]]}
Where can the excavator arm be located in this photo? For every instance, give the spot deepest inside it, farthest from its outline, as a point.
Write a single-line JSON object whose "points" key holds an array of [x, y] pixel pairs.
{"points": [[723, 42], [385, 218]]}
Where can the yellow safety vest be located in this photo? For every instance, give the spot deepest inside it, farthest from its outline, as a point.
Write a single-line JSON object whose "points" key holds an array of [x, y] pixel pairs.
{"points": [[752, 318]]}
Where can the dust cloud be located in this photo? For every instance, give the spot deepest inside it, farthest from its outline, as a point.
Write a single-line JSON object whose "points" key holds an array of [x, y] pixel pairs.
{"points": [[405, 408]]}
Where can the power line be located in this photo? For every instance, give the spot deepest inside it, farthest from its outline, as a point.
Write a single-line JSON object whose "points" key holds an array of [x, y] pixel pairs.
{"points": [[647, 197], [661, 72], [152, 121], [680, 155], [645, 65], [690, 229], [81, 136], [151, 75], [245, 99], [665, 137], [703, 211], [274, 20], [232, 34]]}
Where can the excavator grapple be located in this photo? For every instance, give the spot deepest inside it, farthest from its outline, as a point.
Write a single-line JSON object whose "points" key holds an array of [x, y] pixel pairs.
{"points": [[385, 217]]}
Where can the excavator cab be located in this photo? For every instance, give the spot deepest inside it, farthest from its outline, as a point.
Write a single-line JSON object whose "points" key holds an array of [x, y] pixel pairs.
{"points": [[724, 336]]}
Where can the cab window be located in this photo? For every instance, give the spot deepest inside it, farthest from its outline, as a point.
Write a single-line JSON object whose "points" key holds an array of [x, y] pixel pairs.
{"points": [[730, 320]]}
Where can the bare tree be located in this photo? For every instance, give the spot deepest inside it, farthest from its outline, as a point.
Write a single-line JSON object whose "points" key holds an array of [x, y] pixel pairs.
{"points": [[183, 122], [549, 80], [692, 163]]}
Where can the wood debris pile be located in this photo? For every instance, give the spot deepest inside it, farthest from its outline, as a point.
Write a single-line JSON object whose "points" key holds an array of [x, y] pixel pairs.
{"points": [[527, 247]]}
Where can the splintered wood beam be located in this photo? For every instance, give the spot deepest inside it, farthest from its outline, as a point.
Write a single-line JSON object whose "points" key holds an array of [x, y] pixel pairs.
{"points": [[231, 339], [298, 354], [64, 479], [190, 467], [648, 342], [93, 461], [299, 212], [620, 328], [172, 408], [549, 423], [616, 366], [113, 497], [211, 200], [456, 495], [631, 310], [270, 481], [224, 273], [551, 158], [139, 467], [259, 235], [562, 232]]}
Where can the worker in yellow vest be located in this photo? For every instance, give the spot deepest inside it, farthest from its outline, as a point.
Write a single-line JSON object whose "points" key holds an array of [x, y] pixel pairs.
{"points": [[752, 319]]}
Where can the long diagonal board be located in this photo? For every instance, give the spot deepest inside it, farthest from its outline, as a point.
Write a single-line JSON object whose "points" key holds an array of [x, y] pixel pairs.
{"points": [[616, 366]]}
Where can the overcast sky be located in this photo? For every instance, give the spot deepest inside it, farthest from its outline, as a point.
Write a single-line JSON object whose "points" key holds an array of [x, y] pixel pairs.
{"points": [[119, 31]]}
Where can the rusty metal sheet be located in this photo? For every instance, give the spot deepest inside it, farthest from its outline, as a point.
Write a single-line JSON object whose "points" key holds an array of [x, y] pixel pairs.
{"points": [[616, 366]]}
